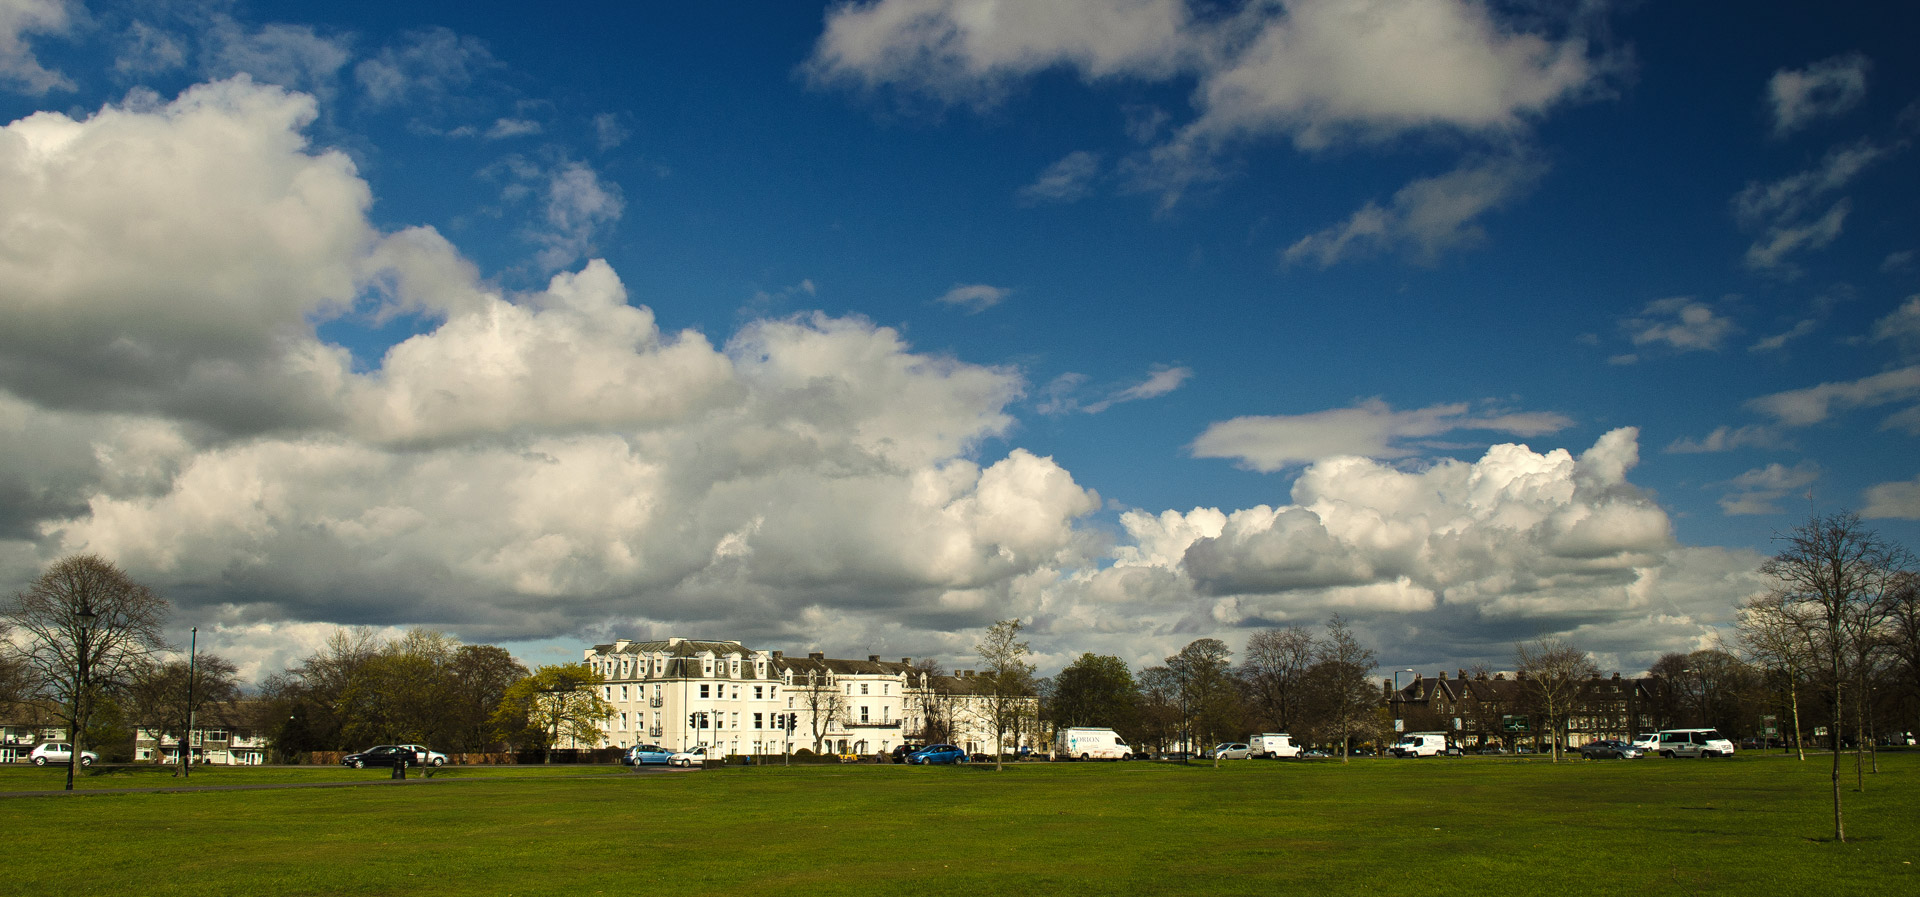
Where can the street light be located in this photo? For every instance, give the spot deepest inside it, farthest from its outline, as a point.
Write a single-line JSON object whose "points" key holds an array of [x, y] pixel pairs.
{"points": [[85, 619], [186, 741]]}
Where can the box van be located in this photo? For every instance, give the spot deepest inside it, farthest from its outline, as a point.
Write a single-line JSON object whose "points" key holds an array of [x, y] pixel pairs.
{"points": [[1424, 744], [1273, 746], [1091, 744], [1693, 743]]}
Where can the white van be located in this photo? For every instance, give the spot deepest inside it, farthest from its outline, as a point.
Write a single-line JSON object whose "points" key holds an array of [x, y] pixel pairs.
{"points": [[1091, 744], [1273, 746], [1423, 744], [1693, 743]]}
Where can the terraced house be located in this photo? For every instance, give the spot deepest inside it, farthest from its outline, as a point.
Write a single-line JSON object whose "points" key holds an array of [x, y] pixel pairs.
{"points": [[1497, 709], [681, 693]]}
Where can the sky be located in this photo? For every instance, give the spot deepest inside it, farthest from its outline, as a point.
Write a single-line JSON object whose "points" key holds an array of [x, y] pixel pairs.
{"points": [[858, 326]]}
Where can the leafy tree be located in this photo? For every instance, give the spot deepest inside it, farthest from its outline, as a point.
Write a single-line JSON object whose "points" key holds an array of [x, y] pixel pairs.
{"points": [[558, 702], [1274, 671], [1160, 717], [1837, 579], [1096, 690], [89, 628], [171, 699], [1551, 675], [478, 679], [1008, 696]]}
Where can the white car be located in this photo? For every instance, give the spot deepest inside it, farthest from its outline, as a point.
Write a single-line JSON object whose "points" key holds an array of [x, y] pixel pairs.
{"points": [[689, 758], [427, 757], [59, 755], [1693, 743]]}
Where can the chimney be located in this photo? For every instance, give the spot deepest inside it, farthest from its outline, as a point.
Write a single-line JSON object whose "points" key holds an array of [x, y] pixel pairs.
{"points": [[779, 654], [1499, 677], [1443, 675], [873, 658], [1616, 675], [817, 655], [1463, 674], [906, 661]]}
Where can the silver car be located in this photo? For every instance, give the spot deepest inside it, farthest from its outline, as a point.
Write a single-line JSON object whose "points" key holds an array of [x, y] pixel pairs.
{"points": [[59, 755], [1231, 751]]}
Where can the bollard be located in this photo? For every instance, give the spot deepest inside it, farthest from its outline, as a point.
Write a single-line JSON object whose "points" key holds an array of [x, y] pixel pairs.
{"points": [[400, 770]]}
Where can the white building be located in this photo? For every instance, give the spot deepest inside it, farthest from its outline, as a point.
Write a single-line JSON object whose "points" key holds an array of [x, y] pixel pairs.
{"points": [[217, 745], [679, 693]]}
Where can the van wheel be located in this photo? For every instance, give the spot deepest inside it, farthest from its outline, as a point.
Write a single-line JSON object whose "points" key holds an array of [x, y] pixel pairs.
{"points": [[1667, 754], [1086, 757]]}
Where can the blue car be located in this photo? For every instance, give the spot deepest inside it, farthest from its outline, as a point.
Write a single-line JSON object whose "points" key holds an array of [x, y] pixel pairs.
{"points": [[937, 753], [646, 755]]}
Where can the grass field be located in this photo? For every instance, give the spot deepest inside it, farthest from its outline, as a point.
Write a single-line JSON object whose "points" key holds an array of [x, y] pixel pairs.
{"points": [[1757, 825]]}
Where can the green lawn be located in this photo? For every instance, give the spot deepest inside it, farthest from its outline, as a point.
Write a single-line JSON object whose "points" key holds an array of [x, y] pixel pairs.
{"points": [[1752, 826]]}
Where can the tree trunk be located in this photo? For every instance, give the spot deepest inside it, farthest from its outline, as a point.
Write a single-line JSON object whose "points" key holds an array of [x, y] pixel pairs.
{"points": [[1793, 695], [1839, 823]]}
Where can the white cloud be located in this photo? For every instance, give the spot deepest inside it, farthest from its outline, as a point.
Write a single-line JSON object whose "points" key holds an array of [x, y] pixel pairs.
{"points": [[1791, 197], [1770, 252], [1061, 395], [1068, 180], [1726, 439], [1779, 341], [1680, 323], [1902, 326], [1425, 218], [19, 68], [974, 297], [433, 63], [147, 50], [1896, 500], [574, 206], [1369, 429], [1321, 72], [1821, 90], [1805, 407], [505, 128], [1760, 490], [292, 56]]}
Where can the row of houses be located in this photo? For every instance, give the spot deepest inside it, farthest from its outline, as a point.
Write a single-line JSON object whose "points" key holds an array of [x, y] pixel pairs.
{"points": [[218, 745], [1489, 709], [683, 693]]}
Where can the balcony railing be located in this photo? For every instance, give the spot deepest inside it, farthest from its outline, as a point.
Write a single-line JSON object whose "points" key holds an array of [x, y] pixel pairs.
{"points": [[656, 701], [874, 724], [653, 732]]}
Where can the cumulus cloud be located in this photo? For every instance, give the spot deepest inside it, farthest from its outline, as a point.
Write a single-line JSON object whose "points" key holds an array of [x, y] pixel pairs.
{"points": [[1679, 323], [1798, 97], [19, 68], [1531, 539], [526, 465], [974, 297], [1369, 429], [292, 56], [1425, 218], [1068, 180], [1760, 490]]}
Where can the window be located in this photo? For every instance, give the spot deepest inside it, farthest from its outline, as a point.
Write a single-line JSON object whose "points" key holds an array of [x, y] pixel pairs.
{"points": [[736, 720], [863, 713], [756, 691], [623, 692], [705, 691], [736, 692], [863, 688], [849, 688], [756, 721], [886, 688]]}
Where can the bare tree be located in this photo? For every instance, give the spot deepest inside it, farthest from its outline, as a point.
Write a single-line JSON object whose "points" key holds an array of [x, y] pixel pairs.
{"points": [[825, 706], [1775, 634], [89, 629], [174, 698], [1554, 672], [1837, 577], [936, 705], [1340, 675], [1274, 669], [1008, 695]]}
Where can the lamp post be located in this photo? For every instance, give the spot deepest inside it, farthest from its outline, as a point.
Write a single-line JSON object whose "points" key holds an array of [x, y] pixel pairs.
{"points": [[186, 738], [84, 620]]}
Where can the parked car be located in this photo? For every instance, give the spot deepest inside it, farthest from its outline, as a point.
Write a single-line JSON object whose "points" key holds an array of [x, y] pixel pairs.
{"points": [[688, 758], [900, 752], [646, 755], [428, 756], [1608, 749], [1314, 754], [382, 755], [1229, 751], [1492, 750], [58, 754], [937, 754]]}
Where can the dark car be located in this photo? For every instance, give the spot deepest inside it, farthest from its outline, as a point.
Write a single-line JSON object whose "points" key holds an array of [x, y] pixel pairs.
{"points": [[382, 755], [937, 754], [900, 754], [1606, 749]]}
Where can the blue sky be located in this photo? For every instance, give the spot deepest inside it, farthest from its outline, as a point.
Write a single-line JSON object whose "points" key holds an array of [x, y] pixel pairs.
{"points": [[856, 327]]}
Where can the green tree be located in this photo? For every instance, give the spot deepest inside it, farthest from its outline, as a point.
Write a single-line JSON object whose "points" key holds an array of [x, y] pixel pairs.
{"points": [[478, 679], [557, 703], [1008, 693], [89, 629], [1097, 690], [1346, 696]]}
